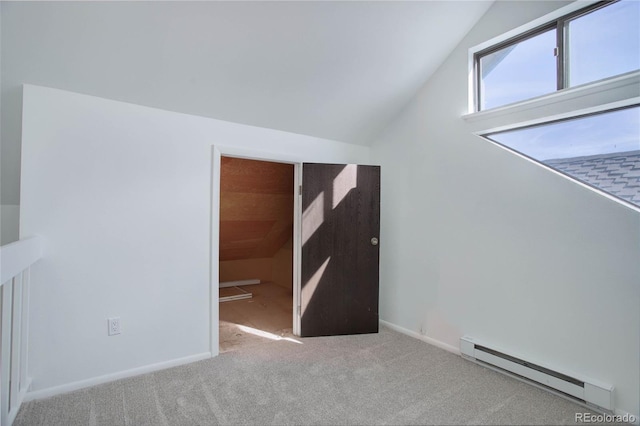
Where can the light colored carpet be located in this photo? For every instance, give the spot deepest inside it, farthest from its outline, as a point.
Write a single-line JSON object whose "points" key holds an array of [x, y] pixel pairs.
{"points": [[385, 378]]}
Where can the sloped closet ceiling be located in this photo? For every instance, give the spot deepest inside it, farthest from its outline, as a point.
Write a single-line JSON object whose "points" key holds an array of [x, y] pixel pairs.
{"points": [[256, 208]]}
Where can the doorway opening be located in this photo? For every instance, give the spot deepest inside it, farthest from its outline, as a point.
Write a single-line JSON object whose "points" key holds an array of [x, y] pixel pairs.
{"points": [[256, 252]]}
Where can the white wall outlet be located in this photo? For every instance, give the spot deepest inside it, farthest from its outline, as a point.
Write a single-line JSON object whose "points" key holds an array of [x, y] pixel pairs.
{"points": [[113, 326]]}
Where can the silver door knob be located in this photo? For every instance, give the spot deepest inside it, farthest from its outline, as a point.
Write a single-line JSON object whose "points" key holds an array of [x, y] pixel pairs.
{"points": [[374, 241]]}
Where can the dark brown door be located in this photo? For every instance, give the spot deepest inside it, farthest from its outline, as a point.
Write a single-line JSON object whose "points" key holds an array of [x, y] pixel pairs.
{"points": [[340, 251]]}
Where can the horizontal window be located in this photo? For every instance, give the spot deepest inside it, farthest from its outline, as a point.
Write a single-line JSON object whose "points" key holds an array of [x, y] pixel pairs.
{"points": [[603, 43], [591, 44], [504, 70], [601, 150]]}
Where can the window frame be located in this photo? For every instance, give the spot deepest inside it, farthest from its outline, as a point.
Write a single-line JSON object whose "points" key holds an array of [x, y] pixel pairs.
{"points": [[486, 134], [577, 116], [560, 24], [598, 96]]}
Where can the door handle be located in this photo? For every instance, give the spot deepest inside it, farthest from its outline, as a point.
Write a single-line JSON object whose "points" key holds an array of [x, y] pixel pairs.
{"points": [[374, 241]]}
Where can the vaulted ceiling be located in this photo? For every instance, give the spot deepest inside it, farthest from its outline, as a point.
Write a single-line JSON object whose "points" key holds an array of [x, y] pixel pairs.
{"points": [[336, 70]]}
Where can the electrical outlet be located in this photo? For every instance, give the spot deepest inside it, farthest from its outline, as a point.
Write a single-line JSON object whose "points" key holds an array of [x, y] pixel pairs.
{"points": [[113, 326]]}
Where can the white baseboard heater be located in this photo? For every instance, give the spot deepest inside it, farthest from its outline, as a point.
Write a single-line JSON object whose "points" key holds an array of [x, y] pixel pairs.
{"points": [[586, 391]]}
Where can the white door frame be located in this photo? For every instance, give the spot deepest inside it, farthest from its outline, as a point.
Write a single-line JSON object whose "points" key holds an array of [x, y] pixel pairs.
{"points": [[250, 154]]}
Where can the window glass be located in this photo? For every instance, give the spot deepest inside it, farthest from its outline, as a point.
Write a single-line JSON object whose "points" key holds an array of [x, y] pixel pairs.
{"points": [[520, 71], [601, 150], [604, 43], [598, 42]]}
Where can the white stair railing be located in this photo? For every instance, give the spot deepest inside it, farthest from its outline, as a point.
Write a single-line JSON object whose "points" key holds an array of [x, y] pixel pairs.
{"points": [[15, 264]]}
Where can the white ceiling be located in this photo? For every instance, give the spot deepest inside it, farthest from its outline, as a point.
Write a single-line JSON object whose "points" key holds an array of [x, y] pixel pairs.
{"points": [[336, 70]]}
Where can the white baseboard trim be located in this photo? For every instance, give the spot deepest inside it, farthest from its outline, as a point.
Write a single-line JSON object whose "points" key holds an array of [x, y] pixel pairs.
{"points": [[437, 343], [238, 283], [69, 387], [21, 398]]}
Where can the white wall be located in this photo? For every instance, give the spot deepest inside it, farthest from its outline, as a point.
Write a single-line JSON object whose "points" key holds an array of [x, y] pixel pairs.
{"points": [[9, 220], [8, 212], [121, 195], [478, 241]]}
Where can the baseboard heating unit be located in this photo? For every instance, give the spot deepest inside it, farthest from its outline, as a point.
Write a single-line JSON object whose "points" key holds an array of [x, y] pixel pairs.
{"points": [[586, 391]]}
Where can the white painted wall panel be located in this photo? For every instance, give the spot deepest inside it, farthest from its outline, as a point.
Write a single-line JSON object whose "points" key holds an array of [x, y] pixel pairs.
{"points": [[480, 242], [121, 195], [9, 222]]}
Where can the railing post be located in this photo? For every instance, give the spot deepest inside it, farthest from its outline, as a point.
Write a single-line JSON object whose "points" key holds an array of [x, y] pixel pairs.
{"points": [[5, 354], [24, 381], [16, 306], [15, 262]]}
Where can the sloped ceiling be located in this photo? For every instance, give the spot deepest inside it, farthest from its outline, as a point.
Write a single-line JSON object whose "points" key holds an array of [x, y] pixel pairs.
{"points": [[336, 70], [256, 208]]}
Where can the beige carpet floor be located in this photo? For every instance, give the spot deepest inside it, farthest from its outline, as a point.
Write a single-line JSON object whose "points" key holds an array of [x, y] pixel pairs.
{"points": [[385, 378]]}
